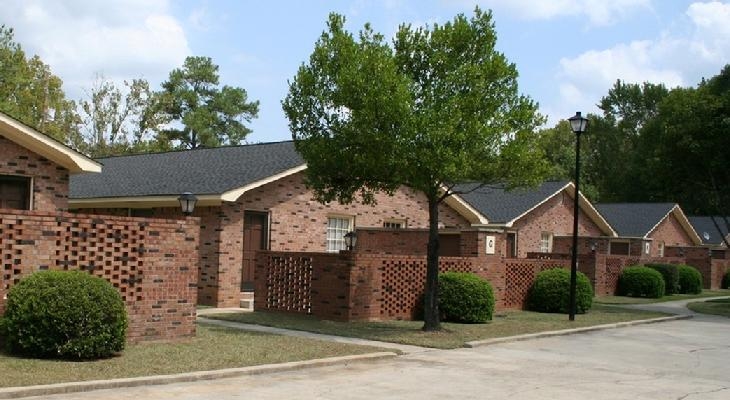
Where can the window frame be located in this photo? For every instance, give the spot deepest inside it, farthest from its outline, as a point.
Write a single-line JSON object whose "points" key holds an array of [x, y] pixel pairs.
{"points": [[546, 242], [26, 181], [394, 223], [335, 235]]}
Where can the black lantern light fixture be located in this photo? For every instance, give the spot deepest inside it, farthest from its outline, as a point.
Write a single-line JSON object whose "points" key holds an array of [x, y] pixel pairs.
{"points": [[350, 240], [578, 124], [187, 202]]}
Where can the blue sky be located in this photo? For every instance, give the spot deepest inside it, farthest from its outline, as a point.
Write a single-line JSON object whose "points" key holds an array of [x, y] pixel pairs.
{"points": [[568, 52]]}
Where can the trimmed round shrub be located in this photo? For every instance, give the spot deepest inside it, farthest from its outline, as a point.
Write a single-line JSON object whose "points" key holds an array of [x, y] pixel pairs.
{"points": [[726, 280], [64, 314], [670, 274], [550, 292], [465, 298], [641, 281], [690, 280]]}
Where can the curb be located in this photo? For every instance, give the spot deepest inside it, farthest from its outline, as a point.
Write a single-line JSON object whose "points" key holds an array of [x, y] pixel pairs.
{"points": [[563, 332], [74, 387]]}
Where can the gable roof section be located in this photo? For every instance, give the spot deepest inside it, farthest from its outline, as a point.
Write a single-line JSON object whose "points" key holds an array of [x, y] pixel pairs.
{"points": [[212, 174], [707, 230], [639, 220], [46, 146], [502, 207]]}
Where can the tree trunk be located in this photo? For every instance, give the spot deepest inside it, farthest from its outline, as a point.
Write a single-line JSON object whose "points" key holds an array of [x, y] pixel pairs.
{"points": [[431, 309]]}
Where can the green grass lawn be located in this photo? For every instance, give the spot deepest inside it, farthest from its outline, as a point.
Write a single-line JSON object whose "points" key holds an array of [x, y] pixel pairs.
{"points": [[715, 307], [213, 348], [508, 323], [644, 300]]}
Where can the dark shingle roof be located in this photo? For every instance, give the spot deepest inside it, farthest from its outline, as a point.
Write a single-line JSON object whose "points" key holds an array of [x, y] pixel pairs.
{"points": [[502, 206], [704, 225], [634, 219], [201, 171]]}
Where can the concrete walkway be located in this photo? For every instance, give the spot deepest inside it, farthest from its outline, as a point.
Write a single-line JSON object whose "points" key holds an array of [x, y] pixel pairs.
{"points": [[403, 348], [677, 307]]}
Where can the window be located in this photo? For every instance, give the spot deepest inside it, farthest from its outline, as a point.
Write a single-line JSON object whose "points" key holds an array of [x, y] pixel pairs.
{"points": [[546, 242], [395, 224], [661, 249], [337, 227], [15, 192], [619, 248]]}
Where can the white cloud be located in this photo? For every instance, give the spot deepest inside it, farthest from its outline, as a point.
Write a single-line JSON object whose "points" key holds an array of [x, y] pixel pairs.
{"points": [[598, 12], [674, 59], [79, 38]]}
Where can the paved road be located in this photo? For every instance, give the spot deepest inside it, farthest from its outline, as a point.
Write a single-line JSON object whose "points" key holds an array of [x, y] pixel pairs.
{"points": [[685, 359]]}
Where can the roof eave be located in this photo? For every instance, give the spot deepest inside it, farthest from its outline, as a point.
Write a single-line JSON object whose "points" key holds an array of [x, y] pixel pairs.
{"points": [[465, 210], [141, 201], [233, 194], [583, 204], [43, 145], [683, 221]]}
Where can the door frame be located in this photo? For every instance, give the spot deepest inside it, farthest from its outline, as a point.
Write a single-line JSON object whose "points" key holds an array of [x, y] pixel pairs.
{"points": [[265, 241]]}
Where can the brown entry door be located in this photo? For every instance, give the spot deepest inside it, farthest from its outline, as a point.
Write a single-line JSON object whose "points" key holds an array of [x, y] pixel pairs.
{"points": [[254, 238], [511, 245]]}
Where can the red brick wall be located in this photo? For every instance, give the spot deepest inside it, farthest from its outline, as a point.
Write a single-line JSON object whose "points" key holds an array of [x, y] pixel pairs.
{"points": [[152, 262], [299, 223], [50, 181], [669, 232], [555, 216]]}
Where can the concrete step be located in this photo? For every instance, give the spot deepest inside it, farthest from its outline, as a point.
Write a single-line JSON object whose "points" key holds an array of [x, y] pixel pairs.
{"points": [[247, 301]]}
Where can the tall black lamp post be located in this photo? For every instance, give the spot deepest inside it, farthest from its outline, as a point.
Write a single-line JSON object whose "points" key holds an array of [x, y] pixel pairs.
{"points": [[578, 124]]}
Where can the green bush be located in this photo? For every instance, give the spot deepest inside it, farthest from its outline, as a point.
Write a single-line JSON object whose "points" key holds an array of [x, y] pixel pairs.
{"points": [[550, 292], [465, 298], [641, 281], [64, 314], [690, 280], [726, 280], [670, 274]]}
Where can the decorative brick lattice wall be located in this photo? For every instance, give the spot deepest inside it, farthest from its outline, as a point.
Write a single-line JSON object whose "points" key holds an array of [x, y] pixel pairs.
{"points": [[519, 275], [289, 279], [152, 262], [403, 282]]}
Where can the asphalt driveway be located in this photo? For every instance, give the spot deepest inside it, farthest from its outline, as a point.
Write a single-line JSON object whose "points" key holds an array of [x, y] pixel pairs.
{"points": [[686, 359]]}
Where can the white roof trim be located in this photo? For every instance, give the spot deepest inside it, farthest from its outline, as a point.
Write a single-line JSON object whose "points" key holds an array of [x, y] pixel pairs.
{"points": [[583, 204], [509, 224], [234, 194], [171, 200], [140, 202], [465, 209], [683, 220], [45, 146]]}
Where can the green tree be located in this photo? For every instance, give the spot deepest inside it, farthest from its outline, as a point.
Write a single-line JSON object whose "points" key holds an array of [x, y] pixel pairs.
{"points": [[558, 144], [439, 107], [685, 148], [205, 114], [31, 93], [116, 121]]}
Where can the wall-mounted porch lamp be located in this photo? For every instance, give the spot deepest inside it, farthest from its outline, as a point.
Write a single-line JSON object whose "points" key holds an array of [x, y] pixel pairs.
{"points": [[350, 240], [187, 202]]}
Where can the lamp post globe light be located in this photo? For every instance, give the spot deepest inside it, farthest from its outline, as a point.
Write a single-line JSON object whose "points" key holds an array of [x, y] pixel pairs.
{"points": [[187, 202], [578, 124]]}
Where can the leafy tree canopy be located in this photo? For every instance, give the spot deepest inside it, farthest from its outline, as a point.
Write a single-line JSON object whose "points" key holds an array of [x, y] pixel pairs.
{"points": [[437, 107], [31, 93], [204, 113]]}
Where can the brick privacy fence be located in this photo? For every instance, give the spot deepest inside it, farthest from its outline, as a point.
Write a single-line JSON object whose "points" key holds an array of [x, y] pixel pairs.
{"points": [[353, 286], [152, 262]]}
